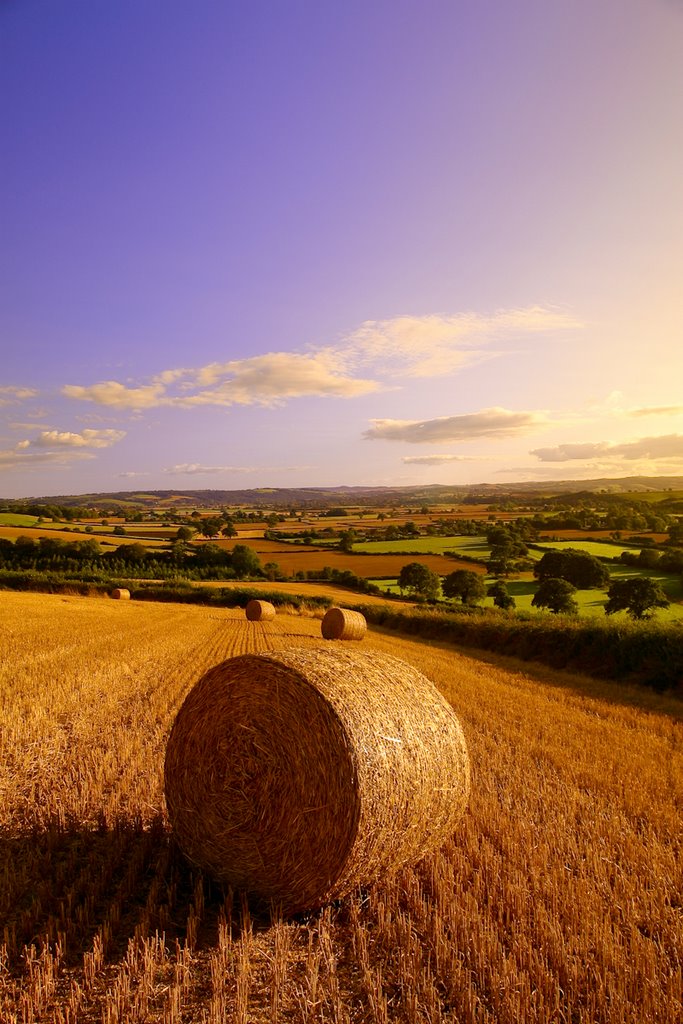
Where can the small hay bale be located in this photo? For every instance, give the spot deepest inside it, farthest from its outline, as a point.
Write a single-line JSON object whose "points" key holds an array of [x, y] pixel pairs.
{"points": [[343, 624], [259, 611], [120, 594], [298, 775]]}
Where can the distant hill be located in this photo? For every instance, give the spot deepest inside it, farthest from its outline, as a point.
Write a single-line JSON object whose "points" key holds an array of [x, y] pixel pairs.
{"points": [[314, 497]]}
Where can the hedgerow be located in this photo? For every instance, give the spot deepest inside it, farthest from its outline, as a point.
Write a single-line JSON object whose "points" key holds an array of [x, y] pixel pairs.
{"points": [[648, 653]]}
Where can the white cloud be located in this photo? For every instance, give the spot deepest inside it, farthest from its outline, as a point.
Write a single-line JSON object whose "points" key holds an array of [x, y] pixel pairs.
{"points": [[488, 423], [86, 439], [374, 356], [58, 447], [273, 378], [118, 396], [667, 446]]}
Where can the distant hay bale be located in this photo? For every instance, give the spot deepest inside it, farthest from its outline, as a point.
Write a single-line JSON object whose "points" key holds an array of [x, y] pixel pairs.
{"points": [[343, 624], [298, 775], [120, 594], [259, 611]]}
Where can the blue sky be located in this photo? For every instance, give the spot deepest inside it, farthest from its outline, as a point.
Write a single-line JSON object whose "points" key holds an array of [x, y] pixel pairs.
{"points": [[304, 243]]}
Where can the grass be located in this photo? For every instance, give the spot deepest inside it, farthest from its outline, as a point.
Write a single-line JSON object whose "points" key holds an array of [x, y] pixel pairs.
{"points": [[594, 547], [557, 899], [474, 547], [590, 602]]}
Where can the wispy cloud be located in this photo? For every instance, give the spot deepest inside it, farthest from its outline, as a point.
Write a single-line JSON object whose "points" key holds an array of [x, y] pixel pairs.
{"points": [[373, 357], [432, 345], [195, 468], [615, 406], [10, 394], [488, 423], [25, 457], [658, 410], [437, 460], [667, 446]]}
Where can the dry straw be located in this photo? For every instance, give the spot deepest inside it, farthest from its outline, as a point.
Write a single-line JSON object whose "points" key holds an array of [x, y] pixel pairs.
{"points": [[299, 775], [120, 594], [259, 611], [343, 624]]}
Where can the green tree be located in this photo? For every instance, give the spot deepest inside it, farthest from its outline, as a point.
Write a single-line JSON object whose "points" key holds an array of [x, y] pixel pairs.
{"points": [[211, 527], [346, 539], [131, 552], [582, 570], [184, 534], [501, 598], [468, 586], [419, 579], [639, 596], [229, 530], [557, 595], [245, 561]]}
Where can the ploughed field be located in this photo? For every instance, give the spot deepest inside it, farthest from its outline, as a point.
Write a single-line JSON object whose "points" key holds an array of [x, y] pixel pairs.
{"points": [[557, 900]]}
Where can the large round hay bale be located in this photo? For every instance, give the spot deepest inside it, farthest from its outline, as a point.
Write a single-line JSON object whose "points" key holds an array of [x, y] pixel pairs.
{"points": [[120, 594], [343, 624], [259, 611], [298, 775]]}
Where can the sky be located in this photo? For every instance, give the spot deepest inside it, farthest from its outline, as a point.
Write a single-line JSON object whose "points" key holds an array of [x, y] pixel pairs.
{"points": [[353, 242]]}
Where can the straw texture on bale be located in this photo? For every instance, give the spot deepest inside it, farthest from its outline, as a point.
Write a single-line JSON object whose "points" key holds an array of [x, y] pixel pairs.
{"points": [[120, 594], [343, 624], [259, 611], [298, 775]]}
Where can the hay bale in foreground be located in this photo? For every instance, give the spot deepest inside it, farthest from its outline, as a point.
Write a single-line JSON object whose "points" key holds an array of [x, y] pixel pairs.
{"points": [[120, 594], [298, 775], [343, 624], [259, 611]]}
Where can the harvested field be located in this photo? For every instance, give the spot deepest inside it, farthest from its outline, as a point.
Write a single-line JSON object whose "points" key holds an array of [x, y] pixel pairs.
{"points": [[293, 558], [107, 540], [556, 900]]}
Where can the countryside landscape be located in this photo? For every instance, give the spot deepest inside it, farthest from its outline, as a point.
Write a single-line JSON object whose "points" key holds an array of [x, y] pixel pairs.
{"points": [[558, 897], [341, 512]]}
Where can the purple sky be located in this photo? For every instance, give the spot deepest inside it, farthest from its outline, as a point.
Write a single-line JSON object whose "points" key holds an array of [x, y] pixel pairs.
{"points": [[303, 243]]}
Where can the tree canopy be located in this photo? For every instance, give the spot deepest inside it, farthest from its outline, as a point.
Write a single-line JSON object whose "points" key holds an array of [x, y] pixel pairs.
{"points": [[419, 580], [466, 585], [582, 570], [557, 595], [639, 596]]}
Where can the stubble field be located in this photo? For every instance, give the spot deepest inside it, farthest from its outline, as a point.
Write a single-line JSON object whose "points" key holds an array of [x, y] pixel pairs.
{"points": [[557, 900]]}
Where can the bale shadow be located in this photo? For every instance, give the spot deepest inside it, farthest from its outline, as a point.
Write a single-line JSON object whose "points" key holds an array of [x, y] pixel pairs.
{"points": [[66, 886]]}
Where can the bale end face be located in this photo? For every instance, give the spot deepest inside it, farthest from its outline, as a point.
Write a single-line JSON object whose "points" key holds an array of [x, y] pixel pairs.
{"points": [[343, 624], [297, 776], [259, 611], [120, 594]]}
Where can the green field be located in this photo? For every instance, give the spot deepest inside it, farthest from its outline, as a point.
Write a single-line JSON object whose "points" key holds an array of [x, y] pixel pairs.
{"points": [[9, 519], [601, 549], [590, 602], [474, 547]]}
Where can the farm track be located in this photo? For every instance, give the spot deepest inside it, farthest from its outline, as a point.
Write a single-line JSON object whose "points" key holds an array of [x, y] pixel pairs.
{"points": [[557, 901]]}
